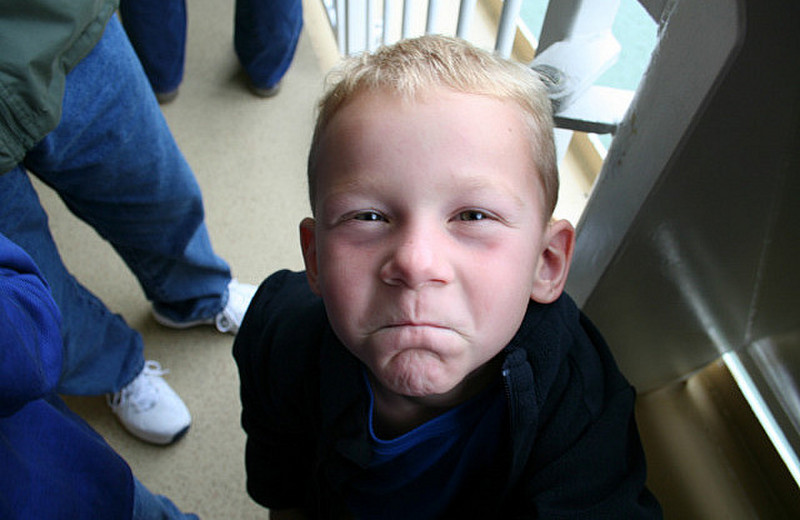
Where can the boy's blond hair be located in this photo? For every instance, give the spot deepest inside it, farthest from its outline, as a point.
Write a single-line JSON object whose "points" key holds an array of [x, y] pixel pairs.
{"points": [[410, 67]]}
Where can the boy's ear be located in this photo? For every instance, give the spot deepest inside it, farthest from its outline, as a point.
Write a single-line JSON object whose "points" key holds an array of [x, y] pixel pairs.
{"points": [[554, 260], [308, 243]]}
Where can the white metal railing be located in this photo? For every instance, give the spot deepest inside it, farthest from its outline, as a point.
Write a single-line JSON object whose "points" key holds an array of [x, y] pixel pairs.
{"points": [[362, 25], [576, 46]]}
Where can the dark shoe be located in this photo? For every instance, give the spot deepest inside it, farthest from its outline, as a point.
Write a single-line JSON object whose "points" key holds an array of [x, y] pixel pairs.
{"points": [[166, 97], [265, 92]]}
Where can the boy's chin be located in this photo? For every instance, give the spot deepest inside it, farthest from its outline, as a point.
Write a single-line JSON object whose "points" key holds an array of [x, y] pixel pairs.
{"points": [[435, 384], [413, 382], [419, 387], [428, 391]]}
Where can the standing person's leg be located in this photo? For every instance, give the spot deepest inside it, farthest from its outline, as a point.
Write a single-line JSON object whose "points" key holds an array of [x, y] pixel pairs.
{"points": [[114, 162], [265, 39], [157, 30], [102, 353], [147, 506]]}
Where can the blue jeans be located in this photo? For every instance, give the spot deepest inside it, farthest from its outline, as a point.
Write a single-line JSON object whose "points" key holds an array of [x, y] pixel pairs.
{"points": [[115, 164], [147, 506], [265, 38]]}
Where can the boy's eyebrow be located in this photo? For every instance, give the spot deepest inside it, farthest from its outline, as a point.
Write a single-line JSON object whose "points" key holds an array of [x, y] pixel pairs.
{"points": [[353, 186], [473, 185], [478, 184]]}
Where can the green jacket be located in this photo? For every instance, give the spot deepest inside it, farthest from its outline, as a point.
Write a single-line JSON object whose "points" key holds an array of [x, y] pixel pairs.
{"points": [[40, 42]]}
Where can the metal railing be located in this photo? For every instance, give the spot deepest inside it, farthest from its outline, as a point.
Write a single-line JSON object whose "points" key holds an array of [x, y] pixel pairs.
{"points": [[576, 45], [362, 25]]}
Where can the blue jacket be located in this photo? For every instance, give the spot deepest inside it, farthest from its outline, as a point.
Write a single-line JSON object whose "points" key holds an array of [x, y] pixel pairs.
{"points": [[573, 449], [52, 464]]}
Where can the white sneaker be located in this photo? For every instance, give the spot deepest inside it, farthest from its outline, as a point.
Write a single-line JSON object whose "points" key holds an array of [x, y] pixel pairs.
{"points": [[228, 319], [239, 297], [149, 409]]}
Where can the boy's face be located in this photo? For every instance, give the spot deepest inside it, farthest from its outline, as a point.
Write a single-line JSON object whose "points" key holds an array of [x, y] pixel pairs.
{"points": [[429, 237]]}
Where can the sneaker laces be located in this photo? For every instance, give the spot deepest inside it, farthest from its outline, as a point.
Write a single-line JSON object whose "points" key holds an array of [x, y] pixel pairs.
{"points": [[140, 392]]}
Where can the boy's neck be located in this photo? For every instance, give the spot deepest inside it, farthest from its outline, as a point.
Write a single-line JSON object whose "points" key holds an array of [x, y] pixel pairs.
{"points": [[396, 414]]}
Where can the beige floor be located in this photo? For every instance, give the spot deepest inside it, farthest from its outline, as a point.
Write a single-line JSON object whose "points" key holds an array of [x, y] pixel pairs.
{"points": [[249, 158]]}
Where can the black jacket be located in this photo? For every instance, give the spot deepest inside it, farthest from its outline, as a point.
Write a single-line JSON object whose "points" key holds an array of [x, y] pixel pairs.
{"points": [[573, 452]]}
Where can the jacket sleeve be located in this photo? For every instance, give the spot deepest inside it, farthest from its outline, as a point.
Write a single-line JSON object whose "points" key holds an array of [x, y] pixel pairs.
{"points": [[588, 460], [274, 350], [30, 342], [33, 70]]}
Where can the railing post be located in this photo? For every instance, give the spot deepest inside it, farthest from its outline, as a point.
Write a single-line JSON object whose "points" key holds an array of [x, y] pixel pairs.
{"points": [[466, 13], [370, 29], [507, 28], [407, 13], [356, 26], [432, 21], [340, 8], [388, 9]]}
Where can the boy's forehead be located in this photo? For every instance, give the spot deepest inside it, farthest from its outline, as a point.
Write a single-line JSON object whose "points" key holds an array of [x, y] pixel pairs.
{"points": [[390, 96], [360, 109], [355, 124]]}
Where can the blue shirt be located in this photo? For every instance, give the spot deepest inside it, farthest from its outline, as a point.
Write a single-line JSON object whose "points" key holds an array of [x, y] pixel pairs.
{"points": [[418, 474]]}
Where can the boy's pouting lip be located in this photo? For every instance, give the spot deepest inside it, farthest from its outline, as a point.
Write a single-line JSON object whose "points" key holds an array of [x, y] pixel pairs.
{"points": [[430, 237]]}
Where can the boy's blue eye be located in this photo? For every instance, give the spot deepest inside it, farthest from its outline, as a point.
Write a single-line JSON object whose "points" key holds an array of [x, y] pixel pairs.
{"points": [[472, 214]]}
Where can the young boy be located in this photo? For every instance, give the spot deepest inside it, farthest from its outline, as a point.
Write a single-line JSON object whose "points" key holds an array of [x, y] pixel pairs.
{"points": [[427, 364]]}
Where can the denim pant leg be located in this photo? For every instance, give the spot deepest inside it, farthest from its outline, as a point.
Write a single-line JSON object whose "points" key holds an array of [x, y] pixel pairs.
{"points": [[265, 37], [101, 352], [157, 30], [114, 162], [147, 506]]}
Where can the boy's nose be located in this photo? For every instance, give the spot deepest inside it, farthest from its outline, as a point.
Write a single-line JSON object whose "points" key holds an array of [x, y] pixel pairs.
{"points": [[416, 260]]}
